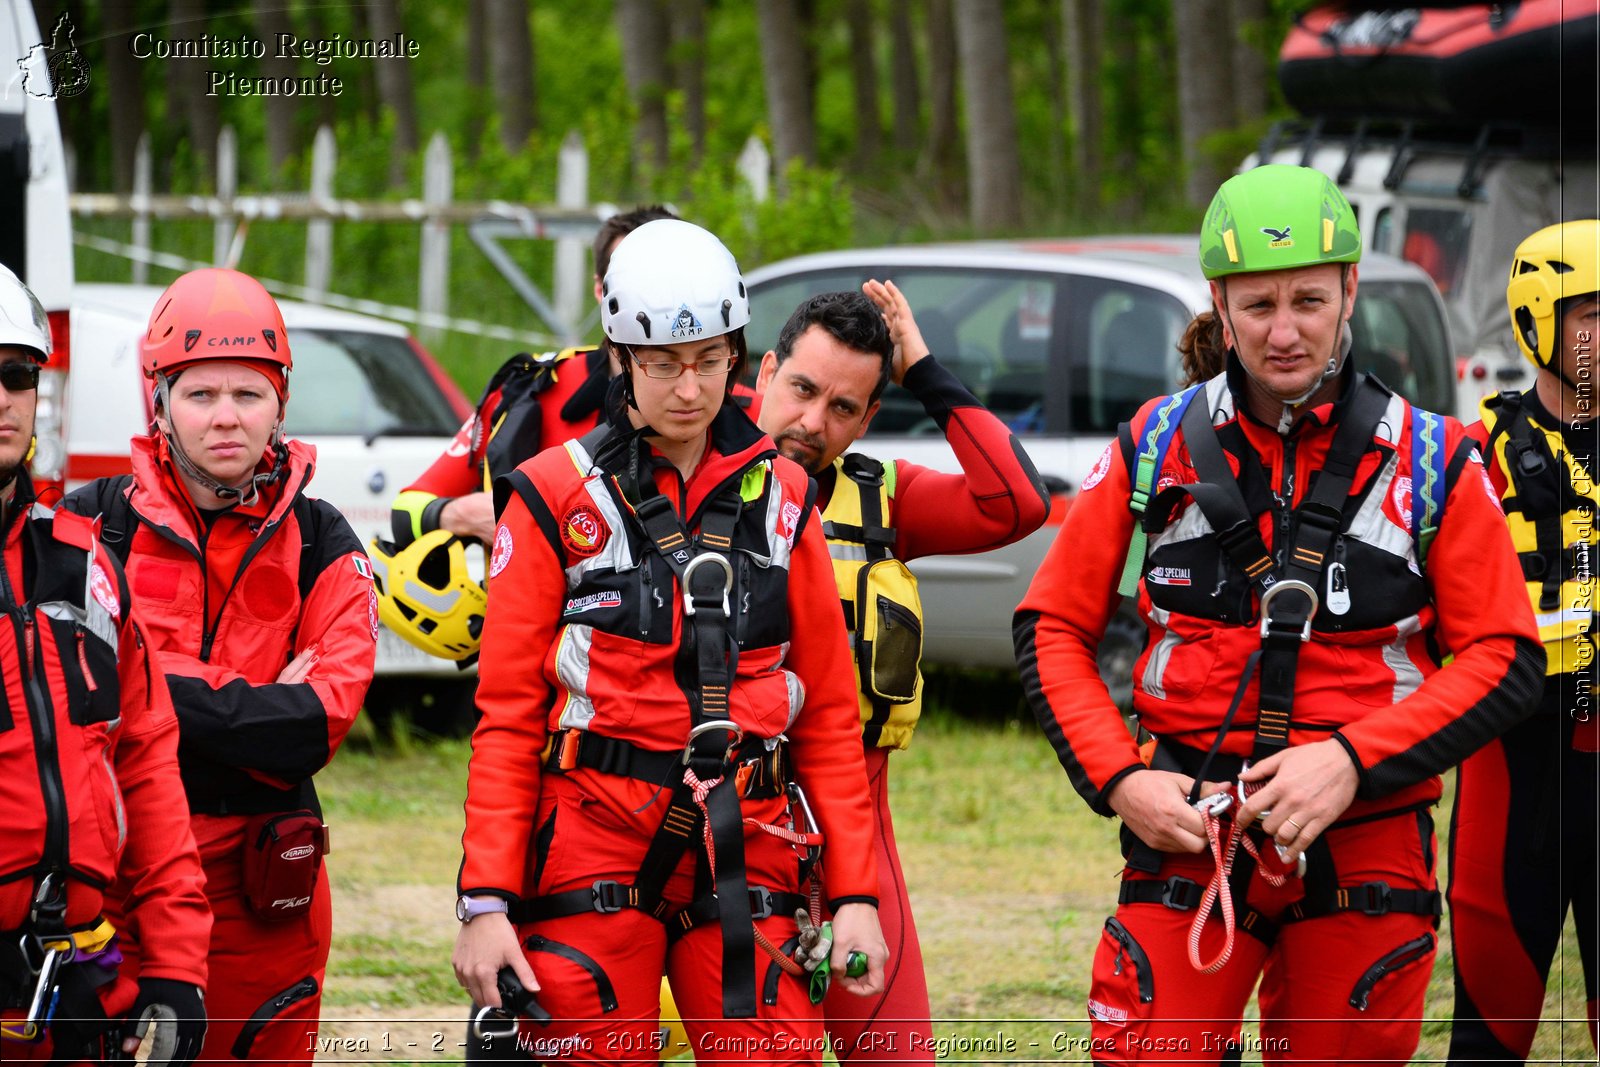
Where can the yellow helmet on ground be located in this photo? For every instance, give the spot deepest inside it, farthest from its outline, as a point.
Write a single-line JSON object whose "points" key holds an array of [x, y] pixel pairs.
{"points": [[674, 1038], [427, 596], [1557, 262]]}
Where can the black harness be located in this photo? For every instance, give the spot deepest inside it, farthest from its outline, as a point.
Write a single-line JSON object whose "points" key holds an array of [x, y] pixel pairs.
{"points": [[1289, 601], [717, 754]]}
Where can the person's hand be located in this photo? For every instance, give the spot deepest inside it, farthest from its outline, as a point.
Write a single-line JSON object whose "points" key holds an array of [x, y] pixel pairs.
{"points": [[856, 929], [484, 945], [909, 347], [300, 667], [173, 1014], [469, 516], [1307, 788], [1155, 806]]}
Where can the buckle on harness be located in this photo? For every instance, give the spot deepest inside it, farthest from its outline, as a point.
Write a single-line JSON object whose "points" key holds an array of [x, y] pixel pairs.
{"points": [[715, 724], [610, 897], [1286, 585], [727, 580], [1376, 898], [1179, 893], [760, 902]]}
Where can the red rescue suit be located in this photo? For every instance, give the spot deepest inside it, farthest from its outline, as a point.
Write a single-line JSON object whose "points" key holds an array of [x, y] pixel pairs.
{"points": [[586, 643], [90, 787], [223, 596], [1338, 983]]}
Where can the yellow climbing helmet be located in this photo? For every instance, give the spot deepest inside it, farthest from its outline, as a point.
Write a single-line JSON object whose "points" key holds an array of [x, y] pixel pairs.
{"points": [[1556, 262], [427, 596]]}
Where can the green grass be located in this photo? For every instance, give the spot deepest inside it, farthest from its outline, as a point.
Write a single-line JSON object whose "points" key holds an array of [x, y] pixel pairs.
{"points": [[1011, 880]]}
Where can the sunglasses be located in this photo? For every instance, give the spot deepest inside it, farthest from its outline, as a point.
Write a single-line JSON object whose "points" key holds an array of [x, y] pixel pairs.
{"points": [[19, 377]]}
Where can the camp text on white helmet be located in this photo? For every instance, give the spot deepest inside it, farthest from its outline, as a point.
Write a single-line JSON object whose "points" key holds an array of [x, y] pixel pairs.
{"points": [[23, 323], [669, 282]]}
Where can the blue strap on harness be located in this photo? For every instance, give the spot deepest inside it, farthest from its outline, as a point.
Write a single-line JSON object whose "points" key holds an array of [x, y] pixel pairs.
{"points": [[1147, 465], [1427, 478]]}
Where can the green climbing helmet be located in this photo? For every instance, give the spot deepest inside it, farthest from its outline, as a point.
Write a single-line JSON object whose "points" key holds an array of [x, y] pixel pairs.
{"points": [[1277, 217]]}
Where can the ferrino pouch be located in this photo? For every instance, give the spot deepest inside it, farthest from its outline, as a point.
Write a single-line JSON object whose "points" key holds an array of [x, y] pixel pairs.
{"points": [[282, 855], [888, 631]]}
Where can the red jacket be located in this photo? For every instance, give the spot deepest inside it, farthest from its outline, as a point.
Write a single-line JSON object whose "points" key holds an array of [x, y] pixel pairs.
{"points": [[226, 611], [627, 681], [88, 747], [1379, 689], [997, 498]]}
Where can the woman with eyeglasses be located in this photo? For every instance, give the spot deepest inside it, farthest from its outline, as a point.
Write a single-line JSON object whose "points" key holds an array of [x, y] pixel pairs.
{"points": [[668, 729]]}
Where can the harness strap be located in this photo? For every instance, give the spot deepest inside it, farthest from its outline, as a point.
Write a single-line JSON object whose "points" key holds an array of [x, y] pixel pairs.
{"points": [[1183, 894], [764, 902], [1369, 898], [759, 772]]}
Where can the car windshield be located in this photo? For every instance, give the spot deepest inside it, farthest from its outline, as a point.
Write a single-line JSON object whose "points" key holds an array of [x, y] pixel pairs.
{"points": [[352, 382], [1399, 337], [1046, 352]]}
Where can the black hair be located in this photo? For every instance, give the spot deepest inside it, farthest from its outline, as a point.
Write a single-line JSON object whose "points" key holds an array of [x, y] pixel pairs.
{"points": [[849, 318], [619, 226]]}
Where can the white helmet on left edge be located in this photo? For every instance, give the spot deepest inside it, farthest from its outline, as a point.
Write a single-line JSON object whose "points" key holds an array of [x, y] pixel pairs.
{"points": [[23, 322], [671, 281]]}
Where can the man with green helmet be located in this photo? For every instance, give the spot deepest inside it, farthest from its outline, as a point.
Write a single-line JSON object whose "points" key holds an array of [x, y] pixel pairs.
{"points": [[1307, 549], [1515, 866]]}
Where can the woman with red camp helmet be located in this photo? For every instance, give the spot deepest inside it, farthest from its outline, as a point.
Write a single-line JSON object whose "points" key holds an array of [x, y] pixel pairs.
{"points": [[259, 602]]}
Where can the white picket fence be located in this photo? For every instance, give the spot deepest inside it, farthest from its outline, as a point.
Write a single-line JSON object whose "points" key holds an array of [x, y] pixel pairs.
{"points": [[571, 223]]}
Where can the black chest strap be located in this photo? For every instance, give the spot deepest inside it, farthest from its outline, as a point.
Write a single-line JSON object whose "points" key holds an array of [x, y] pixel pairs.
{"points": [[1287, 588]]}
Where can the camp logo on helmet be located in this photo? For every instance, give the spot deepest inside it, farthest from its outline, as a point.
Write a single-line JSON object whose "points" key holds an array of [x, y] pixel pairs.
{"points": [[502, 551], [1280, 238], [582, 531], [230, 342], [685, 324]]}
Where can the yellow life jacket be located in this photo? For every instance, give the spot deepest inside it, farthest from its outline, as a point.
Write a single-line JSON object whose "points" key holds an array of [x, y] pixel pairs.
{"points": [[882, 608], [1551, 505]]}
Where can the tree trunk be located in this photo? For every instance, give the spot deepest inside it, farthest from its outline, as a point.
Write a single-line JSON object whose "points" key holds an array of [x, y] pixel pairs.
{"points": [[511, 70], [642, 26], [1205, 88], [202, 118], [903, 74], [394, 86], [477, 74], [1083, 20], [1056, 140], [941, 159], [785, 69], [993, 160], [1252, 65], [689, 65], [864, 72], [272, 18], [124, 73]]}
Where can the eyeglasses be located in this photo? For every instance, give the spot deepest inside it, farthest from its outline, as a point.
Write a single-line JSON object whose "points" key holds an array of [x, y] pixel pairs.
{"points": [[709, 367], [21, 376]]}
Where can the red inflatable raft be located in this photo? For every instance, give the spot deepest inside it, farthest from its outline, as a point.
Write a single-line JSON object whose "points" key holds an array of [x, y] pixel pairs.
{"points": [[1461, 64]]}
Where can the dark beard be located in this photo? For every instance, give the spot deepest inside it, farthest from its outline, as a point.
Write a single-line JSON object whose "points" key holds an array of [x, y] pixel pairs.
{"points": [[813, 462]]}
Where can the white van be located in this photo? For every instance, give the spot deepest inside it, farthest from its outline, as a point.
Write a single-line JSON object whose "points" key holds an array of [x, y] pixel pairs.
{"points": [[35, 218]]}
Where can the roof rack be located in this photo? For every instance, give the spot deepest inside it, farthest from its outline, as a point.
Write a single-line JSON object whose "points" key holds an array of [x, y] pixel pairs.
{"points": [[1406, 139]]}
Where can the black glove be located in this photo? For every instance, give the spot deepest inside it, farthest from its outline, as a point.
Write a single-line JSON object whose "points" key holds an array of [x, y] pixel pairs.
{"points": [[174, 1013]]}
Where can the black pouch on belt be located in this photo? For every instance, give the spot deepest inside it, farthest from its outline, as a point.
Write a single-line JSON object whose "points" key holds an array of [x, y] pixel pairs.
{"points": [[282, 854]]}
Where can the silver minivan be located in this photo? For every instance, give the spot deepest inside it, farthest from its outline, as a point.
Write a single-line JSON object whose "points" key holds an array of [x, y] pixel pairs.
{"points": [[1063, 339]]}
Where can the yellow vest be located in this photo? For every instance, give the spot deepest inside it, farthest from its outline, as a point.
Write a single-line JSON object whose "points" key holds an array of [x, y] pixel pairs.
{"points": [[1551, 507], [882, 608]]}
